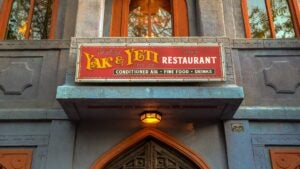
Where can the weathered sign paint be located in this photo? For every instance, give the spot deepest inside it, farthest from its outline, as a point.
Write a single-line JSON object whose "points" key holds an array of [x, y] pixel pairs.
{"points": [[123, 63]]}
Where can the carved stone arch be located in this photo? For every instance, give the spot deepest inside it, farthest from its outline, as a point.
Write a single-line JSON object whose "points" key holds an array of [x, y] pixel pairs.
{"points": [[141, 135]]}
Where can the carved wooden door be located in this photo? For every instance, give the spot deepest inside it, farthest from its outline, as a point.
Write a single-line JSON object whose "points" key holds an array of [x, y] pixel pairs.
{"points": [[151, 154]]}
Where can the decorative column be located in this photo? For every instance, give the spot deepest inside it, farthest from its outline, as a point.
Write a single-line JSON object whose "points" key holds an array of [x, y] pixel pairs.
{"points": [[211, 19], [90, 18]]}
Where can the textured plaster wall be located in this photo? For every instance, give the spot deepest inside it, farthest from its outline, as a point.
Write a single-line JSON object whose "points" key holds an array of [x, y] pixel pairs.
{"points": [[88, 18], [228, 12], [238, 20], [204, 137], [270, 77], [211, 19], [95, 138], [42, 70], [254, 139], [52, 142], [107, 18], [67, 18]]}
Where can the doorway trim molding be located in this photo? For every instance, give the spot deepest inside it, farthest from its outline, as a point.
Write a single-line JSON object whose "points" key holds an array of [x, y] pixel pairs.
{"points": [[135, 138]]}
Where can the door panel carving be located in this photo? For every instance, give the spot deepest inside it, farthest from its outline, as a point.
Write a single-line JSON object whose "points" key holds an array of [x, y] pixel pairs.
{"points": [[15, 159], [150, 148], [285, 158], [151, 154]]}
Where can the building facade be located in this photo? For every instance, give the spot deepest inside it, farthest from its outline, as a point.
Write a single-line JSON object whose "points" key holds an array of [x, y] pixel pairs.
{"points": [[247, 120]]}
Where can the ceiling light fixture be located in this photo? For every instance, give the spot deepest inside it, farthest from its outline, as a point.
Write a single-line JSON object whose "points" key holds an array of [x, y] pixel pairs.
{"points": [[150, 117]]}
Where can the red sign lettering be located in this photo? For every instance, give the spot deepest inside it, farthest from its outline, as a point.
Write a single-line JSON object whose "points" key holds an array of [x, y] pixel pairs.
{"points": [[149, 63]]}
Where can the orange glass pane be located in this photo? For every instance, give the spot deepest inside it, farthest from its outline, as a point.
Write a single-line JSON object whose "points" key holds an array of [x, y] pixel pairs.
{"points": [[148, 18]]}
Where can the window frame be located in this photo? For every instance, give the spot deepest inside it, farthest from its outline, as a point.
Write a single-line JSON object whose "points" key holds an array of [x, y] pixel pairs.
{"points": [[5, 14], [120, 12], [295, 16]]}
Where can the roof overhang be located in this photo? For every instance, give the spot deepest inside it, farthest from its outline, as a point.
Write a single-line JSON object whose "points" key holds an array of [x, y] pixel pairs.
{"points": [[180, 102]]}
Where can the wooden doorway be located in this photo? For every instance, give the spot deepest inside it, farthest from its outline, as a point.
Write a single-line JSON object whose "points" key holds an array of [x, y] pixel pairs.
{"points": [[150, 149]]}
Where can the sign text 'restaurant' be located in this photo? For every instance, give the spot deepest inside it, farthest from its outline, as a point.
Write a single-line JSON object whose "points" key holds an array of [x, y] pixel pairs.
{"points": [[149, 63]]}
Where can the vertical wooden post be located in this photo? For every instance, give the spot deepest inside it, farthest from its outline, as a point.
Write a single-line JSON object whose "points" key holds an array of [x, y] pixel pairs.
{"points": [[54, 15], [4, 16], [180, 18], [246, 18], [270, 16]]}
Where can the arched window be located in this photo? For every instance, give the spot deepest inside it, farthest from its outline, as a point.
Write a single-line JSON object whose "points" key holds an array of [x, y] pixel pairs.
{"points": [[150, 148], [271, 18], [149, 18], [28, 19]]}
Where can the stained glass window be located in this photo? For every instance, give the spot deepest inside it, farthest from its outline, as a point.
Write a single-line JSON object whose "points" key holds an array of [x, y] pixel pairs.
{"points": [[29, 19], [149, 18], [258, 18], [41, 19], [270, 19], [282, 19], [17, 24]]}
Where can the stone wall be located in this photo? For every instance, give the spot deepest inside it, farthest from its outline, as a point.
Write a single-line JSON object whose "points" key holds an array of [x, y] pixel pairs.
{"points": [[211, 18], [254, 140], [51, 142], [42, 64], [90, 18], [95, 138]]}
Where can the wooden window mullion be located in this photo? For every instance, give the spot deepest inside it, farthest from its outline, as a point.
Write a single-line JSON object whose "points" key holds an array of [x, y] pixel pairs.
{"points": [[54, 15], [246, 18], [4, 17], [270, 16], [116, 29], [30, 15], [295, 15], [125, 12], [180, 18], [149, 18]]}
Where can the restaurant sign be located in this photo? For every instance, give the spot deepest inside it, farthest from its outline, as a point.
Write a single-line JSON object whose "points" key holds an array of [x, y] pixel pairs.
{"points": [[149, 63]]}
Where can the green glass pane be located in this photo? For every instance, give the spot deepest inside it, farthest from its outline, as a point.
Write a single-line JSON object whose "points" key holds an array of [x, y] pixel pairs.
{"points": [[41, 19], [282, 19], [258, 19], [161, 24], [17, 24]]}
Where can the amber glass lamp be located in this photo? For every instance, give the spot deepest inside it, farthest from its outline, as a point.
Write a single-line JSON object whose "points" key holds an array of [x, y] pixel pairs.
{"points": [[150, 117]]}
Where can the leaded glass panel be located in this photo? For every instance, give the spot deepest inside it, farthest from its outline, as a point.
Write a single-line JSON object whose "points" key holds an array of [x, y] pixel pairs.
{"points": [[41, 19], [148, 18], [282, 19], [258, 19], [18, 20], [19, 28], [137, 23], [161, 24]]}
